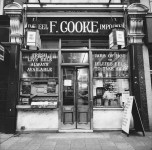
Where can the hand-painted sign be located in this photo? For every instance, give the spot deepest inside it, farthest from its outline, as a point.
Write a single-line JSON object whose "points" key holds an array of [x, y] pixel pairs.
{"points": [[127, 115], [110, 64], [85, 26], [39, 64]]}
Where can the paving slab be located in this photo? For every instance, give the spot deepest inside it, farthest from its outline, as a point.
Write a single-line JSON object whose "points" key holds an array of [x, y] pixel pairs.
{"points": [[77, 141]]}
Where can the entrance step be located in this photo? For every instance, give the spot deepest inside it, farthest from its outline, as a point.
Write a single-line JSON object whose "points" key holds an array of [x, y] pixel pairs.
{"points": [[76, 131]]}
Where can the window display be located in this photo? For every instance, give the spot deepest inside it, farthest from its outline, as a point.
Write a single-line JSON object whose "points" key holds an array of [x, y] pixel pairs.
{"points": [[39, 82], [110, 78]]}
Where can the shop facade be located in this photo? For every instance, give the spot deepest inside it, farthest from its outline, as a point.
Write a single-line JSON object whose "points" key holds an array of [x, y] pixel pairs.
{"points": [[72, 75]]}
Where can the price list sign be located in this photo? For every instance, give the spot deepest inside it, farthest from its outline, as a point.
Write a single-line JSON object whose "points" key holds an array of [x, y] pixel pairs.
{"points": [[127, 115]]}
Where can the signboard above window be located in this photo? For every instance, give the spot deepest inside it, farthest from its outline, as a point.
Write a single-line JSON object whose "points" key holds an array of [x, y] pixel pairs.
{"points": [[75, 26]]}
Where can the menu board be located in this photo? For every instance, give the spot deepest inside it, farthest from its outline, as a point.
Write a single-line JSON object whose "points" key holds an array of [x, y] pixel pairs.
{"points": [[39, 64], [127, 115]]}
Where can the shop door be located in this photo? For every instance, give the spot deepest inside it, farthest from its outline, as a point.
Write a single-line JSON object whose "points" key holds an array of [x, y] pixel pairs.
{"points": [[75, 106]]}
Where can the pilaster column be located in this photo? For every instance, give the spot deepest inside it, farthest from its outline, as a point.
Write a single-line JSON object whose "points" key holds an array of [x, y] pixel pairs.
{"points": [[136, 33], [136, 17], [14, 11]]}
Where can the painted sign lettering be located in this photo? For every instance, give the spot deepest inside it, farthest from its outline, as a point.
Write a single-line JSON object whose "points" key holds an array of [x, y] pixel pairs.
{"points": [[85, 26], [40, 64], [110, 64]]}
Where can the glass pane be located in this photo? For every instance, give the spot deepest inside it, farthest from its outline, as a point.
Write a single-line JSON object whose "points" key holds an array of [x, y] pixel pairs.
{"points": [[82, 78], [110, 64], [75, 43], [49, 44], [82, 93], [82, 75], [68, 86], [39, 64], [74, 57], [108, 92]]}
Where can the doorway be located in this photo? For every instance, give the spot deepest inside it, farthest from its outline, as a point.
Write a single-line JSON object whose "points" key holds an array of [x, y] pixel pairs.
{"points": [[75, 111]]}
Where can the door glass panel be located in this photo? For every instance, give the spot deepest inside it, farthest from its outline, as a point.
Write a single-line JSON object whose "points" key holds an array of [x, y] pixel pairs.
{"points": [[82, 99], [68, 86], [82, 81]]}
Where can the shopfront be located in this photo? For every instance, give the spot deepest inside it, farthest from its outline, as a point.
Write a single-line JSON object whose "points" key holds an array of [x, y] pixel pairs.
{"points": [[74, 81], [78, 63]]}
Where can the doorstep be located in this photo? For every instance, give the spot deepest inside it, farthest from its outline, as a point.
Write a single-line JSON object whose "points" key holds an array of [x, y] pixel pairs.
{"points": [[76, 131]]}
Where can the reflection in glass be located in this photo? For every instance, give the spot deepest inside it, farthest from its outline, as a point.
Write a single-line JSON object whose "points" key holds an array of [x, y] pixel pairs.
{"points": [[74, 57], [82, 78]]}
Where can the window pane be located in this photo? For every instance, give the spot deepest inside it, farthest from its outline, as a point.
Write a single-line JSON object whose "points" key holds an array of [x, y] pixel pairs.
{"points": [[110, 64], [40, 64], [74, 1], [74, 43], [49, 44], [74, 57], [108, 92]]}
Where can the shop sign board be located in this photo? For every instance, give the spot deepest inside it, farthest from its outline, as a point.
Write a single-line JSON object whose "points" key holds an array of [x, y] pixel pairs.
{"points": [[76, 25], [127, 115], [39, 64], [1, 53]]}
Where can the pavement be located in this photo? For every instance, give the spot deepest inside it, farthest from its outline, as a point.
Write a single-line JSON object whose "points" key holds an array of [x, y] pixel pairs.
{"points": [[112, 140]]}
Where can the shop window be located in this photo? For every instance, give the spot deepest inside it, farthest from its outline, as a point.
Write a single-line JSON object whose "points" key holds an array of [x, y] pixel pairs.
{"points": [[110, 78], [39, 80]]}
